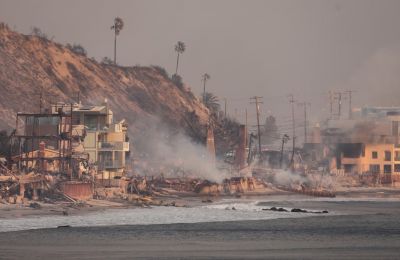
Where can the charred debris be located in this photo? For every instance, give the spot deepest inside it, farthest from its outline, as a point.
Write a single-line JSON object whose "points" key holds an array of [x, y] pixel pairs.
{"points": [[73, 152]]}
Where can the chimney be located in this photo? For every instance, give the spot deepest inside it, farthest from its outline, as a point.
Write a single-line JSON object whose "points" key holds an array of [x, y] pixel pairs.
{"points": [[210, 143], [240, 155], [41, 155]]}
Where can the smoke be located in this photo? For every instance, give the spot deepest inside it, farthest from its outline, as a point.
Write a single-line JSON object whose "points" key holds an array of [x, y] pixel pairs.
{"points": [[315, 181], [377, 80], [172, 154], [286, 178]]}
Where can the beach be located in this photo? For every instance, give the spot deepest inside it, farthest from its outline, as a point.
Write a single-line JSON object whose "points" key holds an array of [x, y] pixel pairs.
{"points": [[362, 226]]}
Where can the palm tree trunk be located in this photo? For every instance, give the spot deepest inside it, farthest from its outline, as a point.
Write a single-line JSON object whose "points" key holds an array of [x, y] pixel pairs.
{"points": [[204, 92], [115, 47], [177, 63]]}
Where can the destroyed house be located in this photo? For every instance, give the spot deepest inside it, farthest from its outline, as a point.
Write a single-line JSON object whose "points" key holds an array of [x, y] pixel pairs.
{"points": [[377, 159], [104, 141], [75, 131]]}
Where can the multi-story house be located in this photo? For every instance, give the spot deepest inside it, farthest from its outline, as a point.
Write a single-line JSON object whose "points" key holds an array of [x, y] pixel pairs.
{"points": [[105, 141]]}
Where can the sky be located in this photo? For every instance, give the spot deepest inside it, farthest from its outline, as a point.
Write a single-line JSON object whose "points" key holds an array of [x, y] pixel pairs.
{"points": [[248, 47]]}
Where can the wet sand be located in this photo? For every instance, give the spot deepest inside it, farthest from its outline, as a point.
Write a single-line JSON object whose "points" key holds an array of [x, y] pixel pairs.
{"points": [[371, 236]]}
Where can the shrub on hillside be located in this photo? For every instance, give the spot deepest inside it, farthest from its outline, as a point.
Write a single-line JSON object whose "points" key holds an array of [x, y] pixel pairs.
{"points": [[161, 70], [36, 31], [177, 80], [107, 61], [77, 49]]}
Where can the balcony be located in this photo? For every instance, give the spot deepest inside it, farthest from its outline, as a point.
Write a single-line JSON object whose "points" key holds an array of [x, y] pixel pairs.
{"points": [[113, 146], [110, 165]]}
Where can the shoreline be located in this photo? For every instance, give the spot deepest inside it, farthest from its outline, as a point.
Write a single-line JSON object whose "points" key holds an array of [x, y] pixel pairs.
{"points": [[10, 211]]}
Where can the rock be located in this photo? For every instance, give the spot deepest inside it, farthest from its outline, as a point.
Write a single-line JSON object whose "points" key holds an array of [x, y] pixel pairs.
{"points": [[64, 226], [35, 205], [278, 209], [299, 210]]}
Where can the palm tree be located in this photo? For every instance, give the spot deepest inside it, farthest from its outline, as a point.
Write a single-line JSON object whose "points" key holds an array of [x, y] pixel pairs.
{"points": [[179, 48], [211, 102], [204, 78], [117, 27]]}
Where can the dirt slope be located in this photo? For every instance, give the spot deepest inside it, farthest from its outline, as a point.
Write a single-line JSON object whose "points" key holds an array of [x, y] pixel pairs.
{"points": [[144, 96]]}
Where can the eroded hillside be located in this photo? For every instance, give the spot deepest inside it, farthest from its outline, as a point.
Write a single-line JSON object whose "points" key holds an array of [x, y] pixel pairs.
{"points": [[144, 96]]}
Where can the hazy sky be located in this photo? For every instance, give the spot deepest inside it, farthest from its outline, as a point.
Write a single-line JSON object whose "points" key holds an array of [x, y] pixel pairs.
{"points": [[264, 48]]}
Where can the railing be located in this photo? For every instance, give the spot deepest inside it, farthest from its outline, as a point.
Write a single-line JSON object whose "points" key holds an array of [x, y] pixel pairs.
{"points": [[113, 146], [110, 165]]}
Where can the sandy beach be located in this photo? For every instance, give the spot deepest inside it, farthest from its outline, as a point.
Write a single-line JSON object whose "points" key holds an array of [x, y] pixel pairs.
{"points": [[8, 211]]}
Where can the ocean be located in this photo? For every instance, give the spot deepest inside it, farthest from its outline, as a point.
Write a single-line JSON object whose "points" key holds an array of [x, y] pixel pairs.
{"points": [[354, 228]]}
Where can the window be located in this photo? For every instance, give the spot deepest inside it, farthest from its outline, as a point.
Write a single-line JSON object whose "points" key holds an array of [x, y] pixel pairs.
{"points": [[395, 128], [76, 119], [374, 168], [387, 168], [388, 156], [374, 155], [91, 122], [397, 156], [397, 168]]}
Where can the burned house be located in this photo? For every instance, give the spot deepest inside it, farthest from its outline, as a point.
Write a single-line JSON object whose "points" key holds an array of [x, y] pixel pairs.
{"points": [[380, 161], [69, 132], [106, 142], [366, 146], [46, 142]]}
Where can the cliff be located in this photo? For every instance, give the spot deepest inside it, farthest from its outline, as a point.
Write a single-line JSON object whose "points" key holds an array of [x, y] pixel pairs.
{"points": [[145, 96]]}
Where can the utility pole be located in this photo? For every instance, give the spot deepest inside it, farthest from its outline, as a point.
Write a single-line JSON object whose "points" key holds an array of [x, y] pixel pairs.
{"points": [[78, 97], [338, 97], [225, 107], [41, 98], [331, 104], [291, 101], [285, 138], [304, 105], [350, 92], [257, 102], [340, 103], [246, 116]]}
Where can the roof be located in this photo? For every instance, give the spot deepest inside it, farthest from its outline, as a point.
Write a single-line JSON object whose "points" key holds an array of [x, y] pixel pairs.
{"points": [[92, 110]]}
